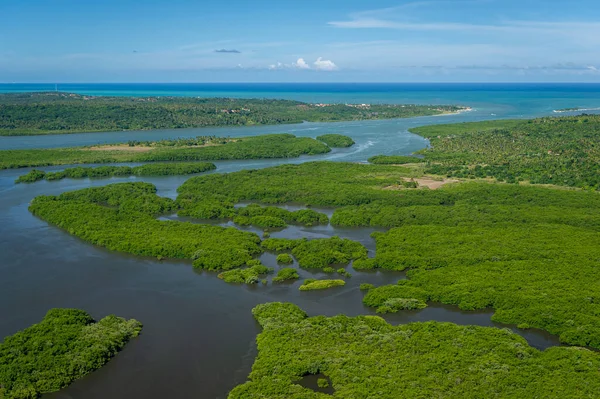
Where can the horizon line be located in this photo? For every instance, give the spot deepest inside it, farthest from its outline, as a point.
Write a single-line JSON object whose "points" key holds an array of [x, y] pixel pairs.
{"points": [[267, 82]]}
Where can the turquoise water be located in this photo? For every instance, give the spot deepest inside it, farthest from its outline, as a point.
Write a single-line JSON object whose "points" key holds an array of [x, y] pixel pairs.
{"points": [[488, 101], [502, 99], [199, 335]]}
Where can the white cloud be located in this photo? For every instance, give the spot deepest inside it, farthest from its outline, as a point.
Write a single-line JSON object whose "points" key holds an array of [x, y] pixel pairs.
{"points": [[325, 65], [301, 64], [319, 65]]}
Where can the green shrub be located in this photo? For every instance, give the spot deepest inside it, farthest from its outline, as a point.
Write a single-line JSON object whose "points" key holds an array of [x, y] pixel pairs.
{"points": [[381, 296], [272, 216], [336, 140], [312, 284], [322, 383], [267, 222], [366, 287], [285, 259], [249, 275], [33, 176], [66, 345], [344, 272], [279, 244], [285, 274], [364, 264], [324, 252], [393, 305], [276, 313]]}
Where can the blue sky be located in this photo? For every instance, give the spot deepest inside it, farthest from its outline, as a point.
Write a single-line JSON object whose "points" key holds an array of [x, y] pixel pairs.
{"points": [[299, 41]]}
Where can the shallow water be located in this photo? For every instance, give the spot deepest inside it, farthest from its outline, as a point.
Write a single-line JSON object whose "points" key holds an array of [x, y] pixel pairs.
{"points": [[198, 337]]}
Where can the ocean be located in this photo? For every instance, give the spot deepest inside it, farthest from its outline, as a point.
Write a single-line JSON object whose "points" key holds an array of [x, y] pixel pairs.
{"points": [[199, 334]]}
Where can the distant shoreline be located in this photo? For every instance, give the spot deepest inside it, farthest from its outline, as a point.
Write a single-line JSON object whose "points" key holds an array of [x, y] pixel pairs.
{"points": [[65, 113], [457, 112], [564, 110]]}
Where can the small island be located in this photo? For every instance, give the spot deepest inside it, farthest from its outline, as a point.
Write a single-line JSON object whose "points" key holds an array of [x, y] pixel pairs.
{"points": [[66, 345], [268, 146], [312, 284], [157, 169]]}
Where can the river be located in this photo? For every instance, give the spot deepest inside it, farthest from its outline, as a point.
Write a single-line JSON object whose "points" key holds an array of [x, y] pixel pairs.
{"points": [[199, 335]]}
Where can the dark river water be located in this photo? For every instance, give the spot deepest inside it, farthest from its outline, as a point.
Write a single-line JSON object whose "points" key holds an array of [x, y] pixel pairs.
{"points": [[198, 339]]}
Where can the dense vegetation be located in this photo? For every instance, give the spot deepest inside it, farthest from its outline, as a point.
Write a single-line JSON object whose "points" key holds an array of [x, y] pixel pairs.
{"points": [[318, 253], [122, 217], [336, 140], [367, 358], [392, 298], [360, 195], [314, 183], [157, 169], [270, 216], [529, 252], [366, 286], [250, 275], [66, 345], [285, 274], [57, 113], [257, 147], [312, 284], [538, 275], [394, 159], [563, 151], [198, 141], [285, 259]]}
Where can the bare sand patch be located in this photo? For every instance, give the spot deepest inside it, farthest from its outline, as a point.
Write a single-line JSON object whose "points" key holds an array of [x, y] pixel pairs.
{"points": [[425, 181], [144, 148], [121, 147], [432, 183]]}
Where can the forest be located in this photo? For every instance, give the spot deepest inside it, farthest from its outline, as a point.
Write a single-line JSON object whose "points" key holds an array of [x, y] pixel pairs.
{"points": [[60, 113], [562, 151], [320, 253], [476, 245], [528, 252], [365, 357], [156, 169], [312, 284], [122, 217], [336, 140], [66, 345], [256, 147]]}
